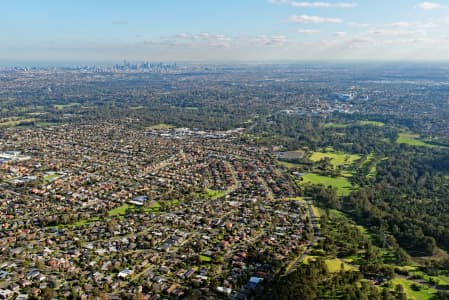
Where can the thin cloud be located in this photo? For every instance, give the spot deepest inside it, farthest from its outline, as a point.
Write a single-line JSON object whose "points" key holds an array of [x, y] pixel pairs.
{"points": [[308, 31], [401, 24], [429, 5], [267, 40], [279, 1], [341, 34], [206, 39], [323, 4], [305, 19]]}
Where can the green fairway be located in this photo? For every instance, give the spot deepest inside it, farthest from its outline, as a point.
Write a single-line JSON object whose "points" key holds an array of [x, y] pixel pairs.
{"points": [[424, 293], [367, 160], [371, 123], [335, 125], [412, 140], [336, 158], [342, 184], [334, 265], [63, 106]]}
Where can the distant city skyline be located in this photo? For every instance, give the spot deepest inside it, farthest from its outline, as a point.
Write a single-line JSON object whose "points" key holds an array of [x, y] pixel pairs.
{"points": [[222, 30]]}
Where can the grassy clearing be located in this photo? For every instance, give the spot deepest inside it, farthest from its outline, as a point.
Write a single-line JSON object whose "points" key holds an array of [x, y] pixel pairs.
{"points": [[84, 222], [335, 125], [412, 140], [372, 172], [211, 194], [15, 121], [64, 106], [371, 123], [78, 223], [335, 265], [51, 177], [424, 293], [300, 199], [46, 124], [287, 164], [308, 258], [342, 184], [205, 259], [368, 159], [336, 158], [156, 206], [316, 212], [161, 126]]}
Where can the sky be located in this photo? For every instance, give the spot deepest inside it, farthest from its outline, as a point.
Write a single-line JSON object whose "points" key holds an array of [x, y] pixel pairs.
{"points": [[222, 30]]}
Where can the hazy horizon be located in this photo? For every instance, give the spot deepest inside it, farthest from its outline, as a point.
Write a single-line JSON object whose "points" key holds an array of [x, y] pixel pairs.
{"points": [[210, 31]]}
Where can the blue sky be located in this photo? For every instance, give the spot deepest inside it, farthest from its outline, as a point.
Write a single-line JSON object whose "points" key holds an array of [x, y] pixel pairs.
{"points": [[220, 30]]}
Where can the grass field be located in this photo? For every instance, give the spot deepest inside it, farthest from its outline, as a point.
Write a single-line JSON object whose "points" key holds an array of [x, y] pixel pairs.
{"points": [[63, 106], [205, 259], [336, 158], [15, 121], [424, 293], [79, 223], [156, 206], [342, 184], [412, 140], [51, 177], [371, 123], [334, 265], [300, 199], [316, 212], [360, 123], [161, 126], [211, 194], [367, 160], [119, 211], [84, 222], [335, 125], [46, 124], [308, 258], [287, 164]]}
